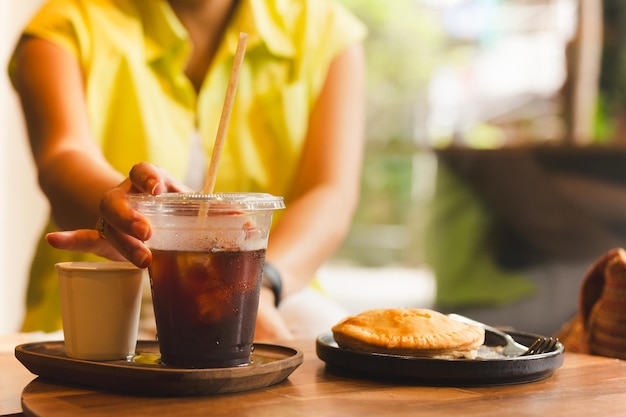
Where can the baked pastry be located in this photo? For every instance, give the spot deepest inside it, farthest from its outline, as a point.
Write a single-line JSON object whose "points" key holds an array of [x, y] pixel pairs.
{"points": [[409, 332]]}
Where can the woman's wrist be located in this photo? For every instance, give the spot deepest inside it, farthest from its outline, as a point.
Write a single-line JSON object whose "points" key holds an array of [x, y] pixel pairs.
{"points": [[273, 281]]}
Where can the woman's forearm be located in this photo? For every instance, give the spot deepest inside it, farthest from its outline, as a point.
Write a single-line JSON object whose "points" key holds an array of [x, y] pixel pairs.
{"points": [[326, 188], [74, 183], [309, 233]]}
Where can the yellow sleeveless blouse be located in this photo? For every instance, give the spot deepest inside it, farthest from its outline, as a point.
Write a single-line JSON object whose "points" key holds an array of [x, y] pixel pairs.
{"points": [[143, 108]]}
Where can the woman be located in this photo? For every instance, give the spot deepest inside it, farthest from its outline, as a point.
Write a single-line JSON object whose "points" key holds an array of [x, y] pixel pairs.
{"points": [[107, 84]]}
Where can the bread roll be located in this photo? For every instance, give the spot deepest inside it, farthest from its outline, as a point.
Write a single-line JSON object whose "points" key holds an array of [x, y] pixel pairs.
{"points": [[409, 332]]}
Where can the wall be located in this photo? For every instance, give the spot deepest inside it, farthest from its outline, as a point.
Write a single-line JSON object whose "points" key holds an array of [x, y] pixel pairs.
{"points": [[22, 206]]}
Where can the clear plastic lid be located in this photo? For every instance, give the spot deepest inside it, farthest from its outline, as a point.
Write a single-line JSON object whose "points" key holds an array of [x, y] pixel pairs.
{"points": [[213, 203]]}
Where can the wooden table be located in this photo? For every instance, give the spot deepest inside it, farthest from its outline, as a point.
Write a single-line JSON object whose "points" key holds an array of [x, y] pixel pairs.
{"points": [[13, 378], [584, 386]]}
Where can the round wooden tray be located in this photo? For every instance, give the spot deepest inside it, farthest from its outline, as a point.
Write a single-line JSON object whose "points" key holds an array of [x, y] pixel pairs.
{"points": [[144, 375]]}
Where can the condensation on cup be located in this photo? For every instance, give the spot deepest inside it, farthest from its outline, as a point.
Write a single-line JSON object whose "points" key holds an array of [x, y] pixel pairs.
{"points": [[208, 255]]}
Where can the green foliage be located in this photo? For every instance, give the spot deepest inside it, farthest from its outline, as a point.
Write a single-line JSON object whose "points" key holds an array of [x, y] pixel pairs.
{"points": [[404, 45]]}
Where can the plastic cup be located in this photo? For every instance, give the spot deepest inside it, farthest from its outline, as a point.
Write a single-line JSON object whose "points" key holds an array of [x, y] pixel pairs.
{"points": [[100, 304], [208, 253]]}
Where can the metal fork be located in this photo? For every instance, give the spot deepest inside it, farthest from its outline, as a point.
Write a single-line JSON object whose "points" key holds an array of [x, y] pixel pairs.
{"points": [[512, 347], [541, 345]]}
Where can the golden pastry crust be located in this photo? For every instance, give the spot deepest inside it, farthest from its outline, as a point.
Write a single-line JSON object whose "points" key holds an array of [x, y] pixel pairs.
{"points": [[410, 332]]}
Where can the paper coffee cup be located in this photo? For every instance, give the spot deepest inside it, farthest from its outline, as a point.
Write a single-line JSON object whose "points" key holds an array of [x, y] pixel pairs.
{"points": [[100, 305]]}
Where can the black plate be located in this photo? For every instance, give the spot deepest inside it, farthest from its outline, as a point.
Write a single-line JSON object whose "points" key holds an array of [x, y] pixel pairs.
{"points": [[496, 370], [145, 375]]}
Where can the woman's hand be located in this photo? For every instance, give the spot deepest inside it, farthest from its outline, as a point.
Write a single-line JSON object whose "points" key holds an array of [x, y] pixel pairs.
{"points": [[121, 230], [270, 325]]}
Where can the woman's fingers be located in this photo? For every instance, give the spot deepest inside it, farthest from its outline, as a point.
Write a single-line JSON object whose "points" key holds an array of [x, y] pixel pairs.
{"points": [[124, 228], [83, 240], [129, 247], [117, 213], [145, 178], [113, 245], [153, 180], [121, 230]]}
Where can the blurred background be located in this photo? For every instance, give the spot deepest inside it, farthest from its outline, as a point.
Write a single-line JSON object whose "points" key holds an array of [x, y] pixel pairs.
{"points": [[23, 209], [442, 74]]}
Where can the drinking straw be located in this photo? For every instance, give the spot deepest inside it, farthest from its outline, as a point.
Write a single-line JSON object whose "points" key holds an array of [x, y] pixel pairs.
{"points": [[209, 182]]}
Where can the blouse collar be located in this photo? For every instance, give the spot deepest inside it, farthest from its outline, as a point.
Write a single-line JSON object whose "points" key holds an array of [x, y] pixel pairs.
{"points": [[164, 34]]}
